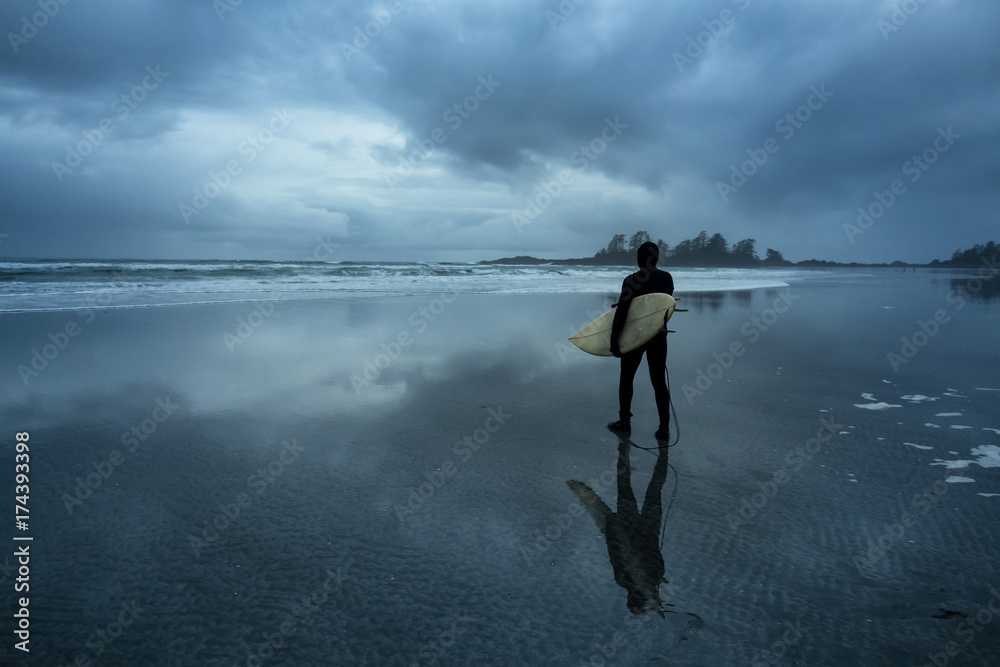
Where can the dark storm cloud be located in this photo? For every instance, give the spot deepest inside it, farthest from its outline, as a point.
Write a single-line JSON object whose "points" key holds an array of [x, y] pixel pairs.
{"points": [[698, 85]]}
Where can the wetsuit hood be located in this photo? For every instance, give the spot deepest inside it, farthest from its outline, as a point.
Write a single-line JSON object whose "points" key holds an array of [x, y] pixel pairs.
{"points": [[647, 255]]}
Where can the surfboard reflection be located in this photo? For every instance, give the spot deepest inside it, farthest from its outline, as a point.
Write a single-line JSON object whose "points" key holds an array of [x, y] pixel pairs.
{"points": [[633, 536]]}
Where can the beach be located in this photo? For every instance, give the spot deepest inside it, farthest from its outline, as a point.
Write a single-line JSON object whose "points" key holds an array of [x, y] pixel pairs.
{"points": [[334, 480]]}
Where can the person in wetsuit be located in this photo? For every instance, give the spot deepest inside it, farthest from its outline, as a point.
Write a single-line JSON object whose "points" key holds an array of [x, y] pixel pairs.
{"points": [[647, 280]]}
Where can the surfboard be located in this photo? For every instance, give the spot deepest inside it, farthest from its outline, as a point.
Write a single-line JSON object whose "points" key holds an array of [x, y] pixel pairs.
{"points": [[647, 315]]}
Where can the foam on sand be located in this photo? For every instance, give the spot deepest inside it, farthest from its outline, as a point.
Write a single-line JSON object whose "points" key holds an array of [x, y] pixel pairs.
{"points": [[995, 430], [913, 444], [988, 457], [955, 479], [918, 398], [876, 406], [952, 465], [990, 495], [959, 426], [948, 414]]}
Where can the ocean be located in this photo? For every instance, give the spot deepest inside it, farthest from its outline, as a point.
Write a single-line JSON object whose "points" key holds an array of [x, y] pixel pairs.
{"points": [[42, 285]]}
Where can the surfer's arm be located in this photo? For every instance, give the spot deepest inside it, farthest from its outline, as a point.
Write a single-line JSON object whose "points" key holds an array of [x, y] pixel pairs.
{"points": [[621, 314]]}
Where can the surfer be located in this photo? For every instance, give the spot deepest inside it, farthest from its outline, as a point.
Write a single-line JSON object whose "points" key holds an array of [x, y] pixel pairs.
{"points": [[647, 280]]}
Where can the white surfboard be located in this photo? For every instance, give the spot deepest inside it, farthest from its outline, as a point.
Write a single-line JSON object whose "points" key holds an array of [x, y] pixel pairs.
{"points": [[647, 316]]}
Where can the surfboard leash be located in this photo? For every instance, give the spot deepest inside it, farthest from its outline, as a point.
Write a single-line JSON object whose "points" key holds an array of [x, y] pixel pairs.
{"points": [[677, 429], [673, 413]]}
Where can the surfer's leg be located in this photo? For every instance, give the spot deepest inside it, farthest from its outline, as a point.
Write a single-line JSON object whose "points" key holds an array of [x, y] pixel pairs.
{"points": [[630, 364], [656, 357]]}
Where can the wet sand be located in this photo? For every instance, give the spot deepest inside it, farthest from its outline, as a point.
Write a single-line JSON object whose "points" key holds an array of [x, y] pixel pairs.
{"points": [[267, 502]]}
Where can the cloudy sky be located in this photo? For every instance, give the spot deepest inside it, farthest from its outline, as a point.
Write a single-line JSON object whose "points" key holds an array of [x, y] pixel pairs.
{"points": [[459, 131]]}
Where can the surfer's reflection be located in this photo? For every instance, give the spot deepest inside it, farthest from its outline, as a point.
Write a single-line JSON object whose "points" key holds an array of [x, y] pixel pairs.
{"points": [[632, 536]]}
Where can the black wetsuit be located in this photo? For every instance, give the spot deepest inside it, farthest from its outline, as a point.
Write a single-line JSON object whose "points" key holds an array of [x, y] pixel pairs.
{"points": [[640, 283]]}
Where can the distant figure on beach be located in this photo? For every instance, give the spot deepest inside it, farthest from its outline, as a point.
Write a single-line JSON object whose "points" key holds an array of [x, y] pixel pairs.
{"points": [[647, 280], [632, 536]]}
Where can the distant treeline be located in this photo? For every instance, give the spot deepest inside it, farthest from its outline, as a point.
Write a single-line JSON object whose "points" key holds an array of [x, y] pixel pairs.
{"points": [[705, 250], [702, 250], [973, 257]]}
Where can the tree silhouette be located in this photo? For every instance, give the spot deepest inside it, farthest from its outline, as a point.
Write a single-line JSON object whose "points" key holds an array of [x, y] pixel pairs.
{"points": [[617, 244], [973, 257], [774, 257], [664, 248], [717, 248], [699, 243], [744, 252], [637, 240]]}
